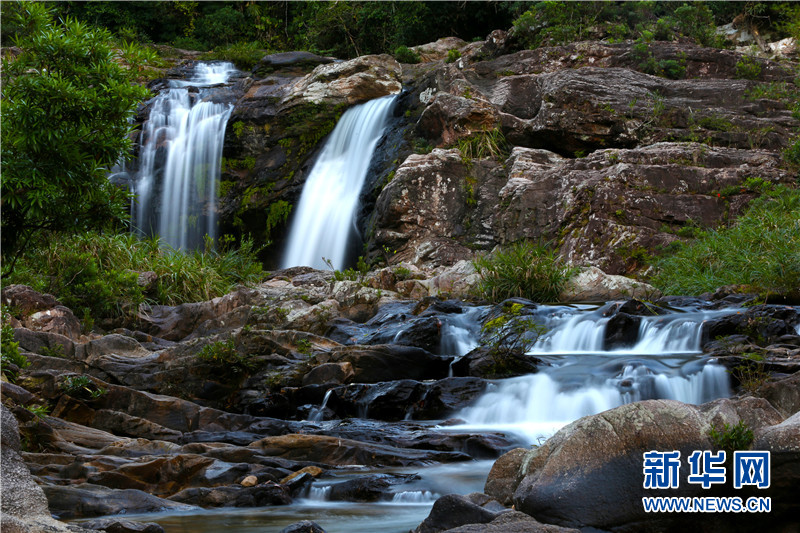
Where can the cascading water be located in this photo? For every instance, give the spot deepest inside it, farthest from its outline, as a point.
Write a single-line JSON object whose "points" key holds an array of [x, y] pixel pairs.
{"points": [[180, 158], [324, 219], [580, 378]]}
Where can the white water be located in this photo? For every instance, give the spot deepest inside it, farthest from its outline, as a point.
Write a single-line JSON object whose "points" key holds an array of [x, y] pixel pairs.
{"points": [[324, 217], [177, 202], [317, 414], [580, 378]]}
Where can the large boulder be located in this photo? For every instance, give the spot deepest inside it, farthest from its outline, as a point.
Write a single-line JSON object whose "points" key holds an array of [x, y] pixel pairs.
{"points": [[589, 475]]}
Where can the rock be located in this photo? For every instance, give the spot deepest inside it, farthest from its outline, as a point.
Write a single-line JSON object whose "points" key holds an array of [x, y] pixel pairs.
{"points": [[783, 394], [622, 331], [329, 373], [41, 312], [86, 500], [249, 481], [117, 525], [304, 526], [333, 451], [455, 510], [488, 363], [372, 364], [348, 82], [505, 476], [593, 285], [512, 522], [362, 489], [595, 463], [235, 496], [296, 62], [27, 301], [437, 50], [457, 281], [764, 324]]}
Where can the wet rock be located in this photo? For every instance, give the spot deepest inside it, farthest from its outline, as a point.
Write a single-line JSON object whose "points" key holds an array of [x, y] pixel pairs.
{"points": [[372, 364], [454, 510], [335, 451], [304, 526], [118, 525], [235, 496], [488, 363], [329, 373], [249, 481], [622, 331], [438, 50], [764, 324], [86, 500], [366, 488]]}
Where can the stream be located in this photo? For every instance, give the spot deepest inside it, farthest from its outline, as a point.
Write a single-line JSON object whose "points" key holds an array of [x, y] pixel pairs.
{"points": [[577, 377]]}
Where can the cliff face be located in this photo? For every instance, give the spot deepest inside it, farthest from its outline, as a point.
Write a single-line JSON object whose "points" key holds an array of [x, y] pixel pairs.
{"points": [[570, 144]]}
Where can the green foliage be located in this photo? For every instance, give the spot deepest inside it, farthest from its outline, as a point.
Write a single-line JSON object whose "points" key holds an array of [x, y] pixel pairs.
{"points": [[96, 274], [404, 54], [66, 102], [303, 346], [349, 274], [524, 269], [452, 56], [39, 411], [554, 23], [751, 373], [510, 333], [82, 388], [224, 356], [484, 143], [791, 154], [732, 438], [57, 350], [244, 54], [748, 68], [9, 349], [761, 250], [786, 93], [667, 68], [277, 214]]}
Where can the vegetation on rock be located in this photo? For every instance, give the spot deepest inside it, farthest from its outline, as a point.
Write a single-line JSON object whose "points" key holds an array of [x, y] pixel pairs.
{"points": [[523, 269], [761, 251], [97, 274]]}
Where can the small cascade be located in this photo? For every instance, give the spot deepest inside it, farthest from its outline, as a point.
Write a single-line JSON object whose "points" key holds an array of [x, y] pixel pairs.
{"points": [[317, 414], [179, 160], [319, 494], [324, 218], [461, 332], [539, 404], [415, 496]]}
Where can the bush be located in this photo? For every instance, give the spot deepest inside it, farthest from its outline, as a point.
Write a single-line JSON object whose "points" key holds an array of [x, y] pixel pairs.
{"points": [[96, 274], [452, 56], [82, 388], [524, 269], [748, 68], [732, 438], [761, 250], [67, 98], [224, 356], [404, 54], [243, 54], [9, 350]]}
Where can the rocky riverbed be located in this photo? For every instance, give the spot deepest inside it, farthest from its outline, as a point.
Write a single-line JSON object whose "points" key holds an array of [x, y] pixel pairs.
{"points": [[323, 378]]}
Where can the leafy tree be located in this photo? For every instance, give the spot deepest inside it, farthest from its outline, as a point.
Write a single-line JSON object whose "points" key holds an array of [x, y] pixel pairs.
{"points": [[66, 98]]}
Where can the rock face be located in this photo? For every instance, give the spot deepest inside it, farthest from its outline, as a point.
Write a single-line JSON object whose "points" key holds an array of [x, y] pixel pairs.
{"points": [[590, 473], [605, 161]]}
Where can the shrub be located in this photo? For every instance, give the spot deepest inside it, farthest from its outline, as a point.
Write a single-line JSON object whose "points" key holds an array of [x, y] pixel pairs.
{"points": [[524, 269], [485, 143], [751, 373], [452, 56], [9, 350], [732, 438], [404, 54], [748, 68], [224, 356], [243, 54], [761, 250], [82, 388], [791, 154], [96, 274]]}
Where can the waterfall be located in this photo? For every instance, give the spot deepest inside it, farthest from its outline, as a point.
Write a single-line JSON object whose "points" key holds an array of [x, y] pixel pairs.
{"points": [[180, 157], [324, 218], [579, 378]]}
